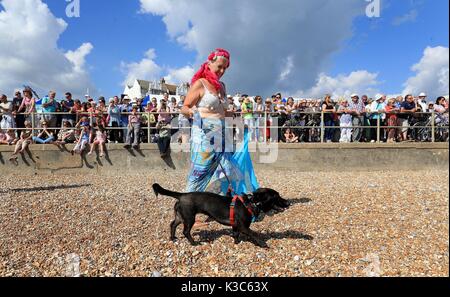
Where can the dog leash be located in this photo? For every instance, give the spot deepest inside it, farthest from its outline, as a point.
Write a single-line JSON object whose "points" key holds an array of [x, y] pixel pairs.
{"points": [[230, 188]]}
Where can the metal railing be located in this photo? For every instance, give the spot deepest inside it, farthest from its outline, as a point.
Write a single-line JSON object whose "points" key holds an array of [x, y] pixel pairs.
{"points": [[317, 126]]}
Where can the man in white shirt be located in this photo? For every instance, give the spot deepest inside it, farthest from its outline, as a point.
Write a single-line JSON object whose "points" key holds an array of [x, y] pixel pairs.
{"points": [[423, 102]]}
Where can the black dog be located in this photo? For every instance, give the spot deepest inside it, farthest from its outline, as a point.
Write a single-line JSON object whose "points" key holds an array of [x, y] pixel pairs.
{"points": [[217, 207]]}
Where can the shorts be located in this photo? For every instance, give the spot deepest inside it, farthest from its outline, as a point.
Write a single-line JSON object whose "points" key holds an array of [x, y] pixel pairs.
{"points": [[404, 123]]}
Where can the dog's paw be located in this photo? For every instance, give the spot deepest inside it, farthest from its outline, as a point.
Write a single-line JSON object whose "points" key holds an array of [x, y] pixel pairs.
{"points": [[174, 239]]}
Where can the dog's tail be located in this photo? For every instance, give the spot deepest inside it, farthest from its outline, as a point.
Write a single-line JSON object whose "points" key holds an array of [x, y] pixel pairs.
{"points": [[160, 190]]}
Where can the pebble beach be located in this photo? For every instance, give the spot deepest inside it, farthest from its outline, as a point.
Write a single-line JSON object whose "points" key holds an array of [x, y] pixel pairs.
{"points": [[339, 224]]}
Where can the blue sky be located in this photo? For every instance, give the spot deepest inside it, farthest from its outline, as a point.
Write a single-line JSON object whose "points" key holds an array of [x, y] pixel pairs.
{"points": [[119, 33], [379, 46], [384, 49]]}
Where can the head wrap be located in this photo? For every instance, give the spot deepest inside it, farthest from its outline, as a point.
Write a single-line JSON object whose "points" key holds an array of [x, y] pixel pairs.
{"points": [[206, 73]]}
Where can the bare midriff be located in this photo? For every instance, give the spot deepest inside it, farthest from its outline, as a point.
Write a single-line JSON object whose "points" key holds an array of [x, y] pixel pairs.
{"points": [[205, 113]]}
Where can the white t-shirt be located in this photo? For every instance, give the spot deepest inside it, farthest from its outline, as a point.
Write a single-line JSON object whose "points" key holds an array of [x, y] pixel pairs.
{"points": [[6, 108]]}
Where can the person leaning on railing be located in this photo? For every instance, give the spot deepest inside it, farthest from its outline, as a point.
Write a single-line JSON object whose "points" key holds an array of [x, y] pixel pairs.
{"points": [[407, 109], [328, 109], [268, 112], [184, 124], [441, 110], [125, 108], [66, 107], [19, 118], [258, 112], [345, 121], [357, 109], [377, 114], [247, 115], [6, 113], [114, 119], [49, 109], [134, 129], [28, 106], [391, 120]]}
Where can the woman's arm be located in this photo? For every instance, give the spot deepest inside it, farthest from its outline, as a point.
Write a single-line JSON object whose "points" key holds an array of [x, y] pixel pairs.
{"points": [[22, 106], [33, 103], [192, 98]]}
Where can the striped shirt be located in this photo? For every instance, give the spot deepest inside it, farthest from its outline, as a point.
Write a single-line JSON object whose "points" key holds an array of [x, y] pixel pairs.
{"points": [[359, 106]]}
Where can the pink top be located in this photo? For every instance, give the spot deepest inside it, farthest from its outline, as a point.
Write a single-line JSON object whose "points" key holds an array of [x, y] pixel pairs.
{"points": [[27, 102], [133, 119], [164, 116]]}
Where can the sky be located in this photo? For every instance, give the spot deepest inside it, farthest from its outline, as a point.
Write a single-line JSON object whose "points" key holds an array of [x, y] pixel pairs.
{"points": [[302, 48]]}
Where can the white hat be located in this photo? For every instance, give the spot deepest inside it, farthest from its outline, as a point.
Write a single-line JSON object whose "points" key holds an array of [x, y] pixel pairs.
{"points": [[378, 96], [354, 95], [422, 94], [111, 100], [126, 98]]}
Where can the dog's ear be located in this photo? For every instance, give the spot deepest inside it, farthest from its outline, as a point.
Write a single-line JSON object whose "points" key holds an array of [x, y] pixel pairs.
{"points": [[260, 195]]}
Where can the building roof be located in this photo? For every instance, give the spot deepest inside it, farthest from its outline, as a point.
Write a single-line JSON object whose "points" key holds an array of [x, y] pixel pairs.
{"points": [[171, 89], [145, 85]]}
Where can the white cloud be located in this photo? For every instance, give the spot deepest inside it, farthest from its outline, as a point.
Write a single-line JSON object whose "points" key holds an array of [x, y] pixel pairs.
{"points": [[145, 69], [180, 75], [148, 69], [289, 65], [262, 37], [29, 53], [78, 57], [411, 16], [359, 82], [432, 73]]}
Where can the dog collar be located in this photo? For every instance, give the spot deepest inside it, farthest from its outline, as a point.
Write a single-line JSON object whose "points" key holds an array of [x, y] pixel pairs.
{"points": [[232, 210]]}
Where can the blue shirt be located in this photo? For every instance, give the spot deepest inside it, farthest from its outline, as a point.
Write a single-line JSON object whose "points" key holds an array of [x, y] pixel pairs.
{"points": [[114, 114], [407, 106], [377, 106], [124, 108], [50, 108]]}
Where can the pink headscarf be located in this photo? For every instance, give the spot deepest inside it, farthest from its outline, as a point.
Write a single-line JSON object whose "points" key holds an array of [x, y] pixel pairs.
{"points": [[205, 72]]}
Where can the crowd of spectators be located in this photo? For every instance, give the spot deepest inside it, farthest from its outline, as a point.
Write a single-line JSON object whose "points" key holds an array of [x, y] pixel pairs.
{"points": [[92, 124]]}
